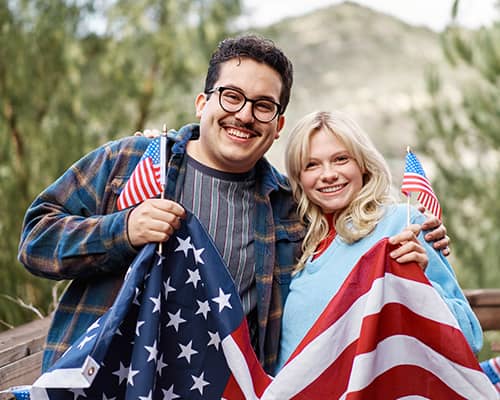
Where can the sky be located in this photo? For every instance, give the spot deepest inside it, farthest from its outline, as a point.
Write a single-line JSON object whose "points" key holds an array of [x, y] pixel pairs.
{"points": [[434, 14]]}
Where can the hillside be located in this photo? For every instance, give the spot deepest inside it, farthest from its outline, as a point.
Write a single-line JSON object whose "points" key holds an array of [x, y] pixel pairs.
{"points": [[369, 64]]}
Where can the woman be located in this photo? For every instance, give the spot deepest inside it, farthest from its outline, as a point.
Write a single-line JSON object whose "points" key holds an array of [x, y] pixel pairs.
{"points": [[342, 186]]}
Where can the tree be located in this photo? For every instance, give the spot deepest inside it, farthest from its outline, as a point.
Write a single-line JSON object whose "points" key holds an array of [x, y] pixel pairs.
{"points": [[76, 74], [461, 133], [36, 39], [152, 51]]}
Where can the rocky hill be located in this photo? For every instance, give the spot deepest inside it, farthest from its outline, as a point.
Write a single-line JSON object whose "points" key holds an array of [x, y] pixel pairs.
{"points": [[364, 62]]}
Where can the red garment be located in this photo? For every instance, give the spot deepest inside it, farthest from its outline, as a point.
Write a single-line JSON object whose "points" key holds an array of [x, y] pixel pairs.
{"points": [[323, 245]]}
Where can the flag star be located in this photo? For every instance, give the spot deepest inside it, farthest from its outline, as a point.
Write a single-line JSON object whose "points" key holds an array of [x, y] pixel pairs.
{"points": [[67, 351], [153, 352], [156, 301], [197, 256], [168, 288], [104, 397], [175, 320], [199, 382], [169, 394], [194, 277], [160, 364], [129, 270], [187, 351], [139, 324], [136, 297], [148, 397], [203, 308], [214, 339], [85, 340], [223, 300], [184, 245], [122, 373], [131, 374], [77, 393], [94, 325], [160, 258]]}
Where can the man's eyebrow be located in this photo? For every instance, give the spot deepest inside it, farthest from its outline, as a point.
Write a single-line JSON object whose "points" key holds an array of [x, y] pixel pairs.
{"points": [[262, 97]]}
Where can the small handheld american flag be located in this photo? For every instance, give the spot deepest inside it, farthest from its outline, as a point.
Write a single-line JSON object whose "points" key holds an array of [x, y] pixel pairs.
{"points": [[148, 179], [415, 180], [144, 183]]}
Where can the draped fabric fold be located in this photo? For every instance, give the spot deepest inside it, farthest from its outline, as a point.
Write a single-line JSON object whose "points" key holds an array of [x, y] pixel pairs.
{"points": [[177, 331]]}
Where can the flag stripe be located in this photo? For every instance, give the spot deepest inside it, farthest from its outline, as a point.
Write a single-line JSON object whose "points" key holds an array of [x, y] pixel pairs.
{"points": [[414, 182], [402, 381], [496, 365], [141, 189], [136, 182], [401, 350], [430, 331], [242, 361]]}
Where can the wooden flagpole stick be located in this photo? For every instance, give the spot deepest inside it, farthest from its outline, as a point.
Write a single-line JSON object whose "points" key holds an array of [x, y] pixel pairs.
{"points": [[163, 167], [408, 198]]}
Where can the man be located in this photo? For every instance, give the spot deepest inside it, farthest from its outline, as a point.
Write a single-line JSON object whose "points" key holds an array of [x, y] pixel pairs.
{"points": [[73, 230]]}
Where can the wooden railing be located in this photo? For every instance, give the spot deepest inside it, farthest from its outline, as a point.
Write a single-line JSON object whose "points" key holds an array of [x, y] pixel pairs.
{"points": [[21, 353], [486, 305], [21, 347]]}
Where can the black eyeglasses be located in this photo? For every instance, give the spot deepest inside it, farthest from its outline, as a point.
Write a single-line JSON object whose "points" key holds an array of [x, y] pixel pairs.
{"points": [[232, 100]]}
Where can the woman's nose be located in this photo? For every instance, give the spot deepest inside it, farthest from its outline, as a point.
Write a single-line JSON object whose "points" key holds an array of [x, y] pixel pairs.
{"points": [[329, 174]]}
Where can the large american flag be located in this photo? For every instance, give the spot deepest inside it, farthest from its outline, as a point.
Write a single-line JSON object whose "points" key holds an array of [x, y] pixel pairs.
{"points": [[415, 180], [144, 183], [491, 368], [177, 331], [386, 334]]}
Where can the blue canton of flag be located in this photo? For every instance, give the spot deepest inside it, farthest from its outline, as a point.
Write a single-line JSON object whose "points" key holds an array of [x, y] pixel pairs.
{"points": [[168, 334], [415, 180]]}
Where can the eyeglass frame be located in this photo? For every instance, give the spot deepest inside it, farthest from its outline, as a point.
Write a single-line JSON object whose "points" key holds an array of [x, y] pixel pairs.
{"points": [[220, 89]]}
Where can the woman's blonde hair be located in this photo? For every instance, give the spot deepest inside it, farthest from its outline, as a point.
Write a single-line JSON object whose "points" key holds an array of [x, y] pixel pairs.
{"points": [[365, 211]]}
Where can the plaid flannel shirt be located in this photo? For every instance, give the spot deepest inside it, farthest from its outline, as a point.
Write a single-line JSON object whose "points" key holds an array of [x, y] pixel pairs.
{"points": [[73, 230]]}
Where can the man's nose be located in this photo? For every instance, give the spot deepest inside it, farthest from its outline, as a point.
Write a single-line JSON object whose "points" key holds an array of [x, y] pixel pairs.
{"points": [[246, 114]]}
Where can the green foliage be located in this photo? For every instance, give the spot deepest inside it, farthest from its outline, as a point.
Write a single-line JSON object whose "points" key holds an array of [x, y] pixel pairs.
{"points": [[76, 74], [461, 133], [34, 64]]}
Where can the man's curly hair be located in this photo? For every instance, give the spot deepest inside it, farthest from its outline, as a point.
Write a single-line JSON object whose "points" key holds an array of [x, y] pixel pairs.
{"points": [[259, 49]]}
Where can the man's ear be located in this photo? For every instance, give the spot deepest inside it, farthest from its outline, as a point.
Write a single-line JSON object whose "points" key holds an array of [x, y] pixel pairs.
{"points": [[281, 124], [199, 103]]}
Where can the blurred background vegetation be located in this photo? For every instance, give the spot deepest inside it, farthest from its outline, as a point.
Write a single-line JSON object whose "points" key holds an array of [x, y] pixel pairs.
{"points": [[75, 74]]}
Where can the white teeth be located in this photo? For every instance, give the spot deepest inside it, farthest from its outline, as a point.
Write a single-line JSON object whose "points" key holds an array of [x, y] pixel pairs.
{"points": [[237, 133], [331, 189]]}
